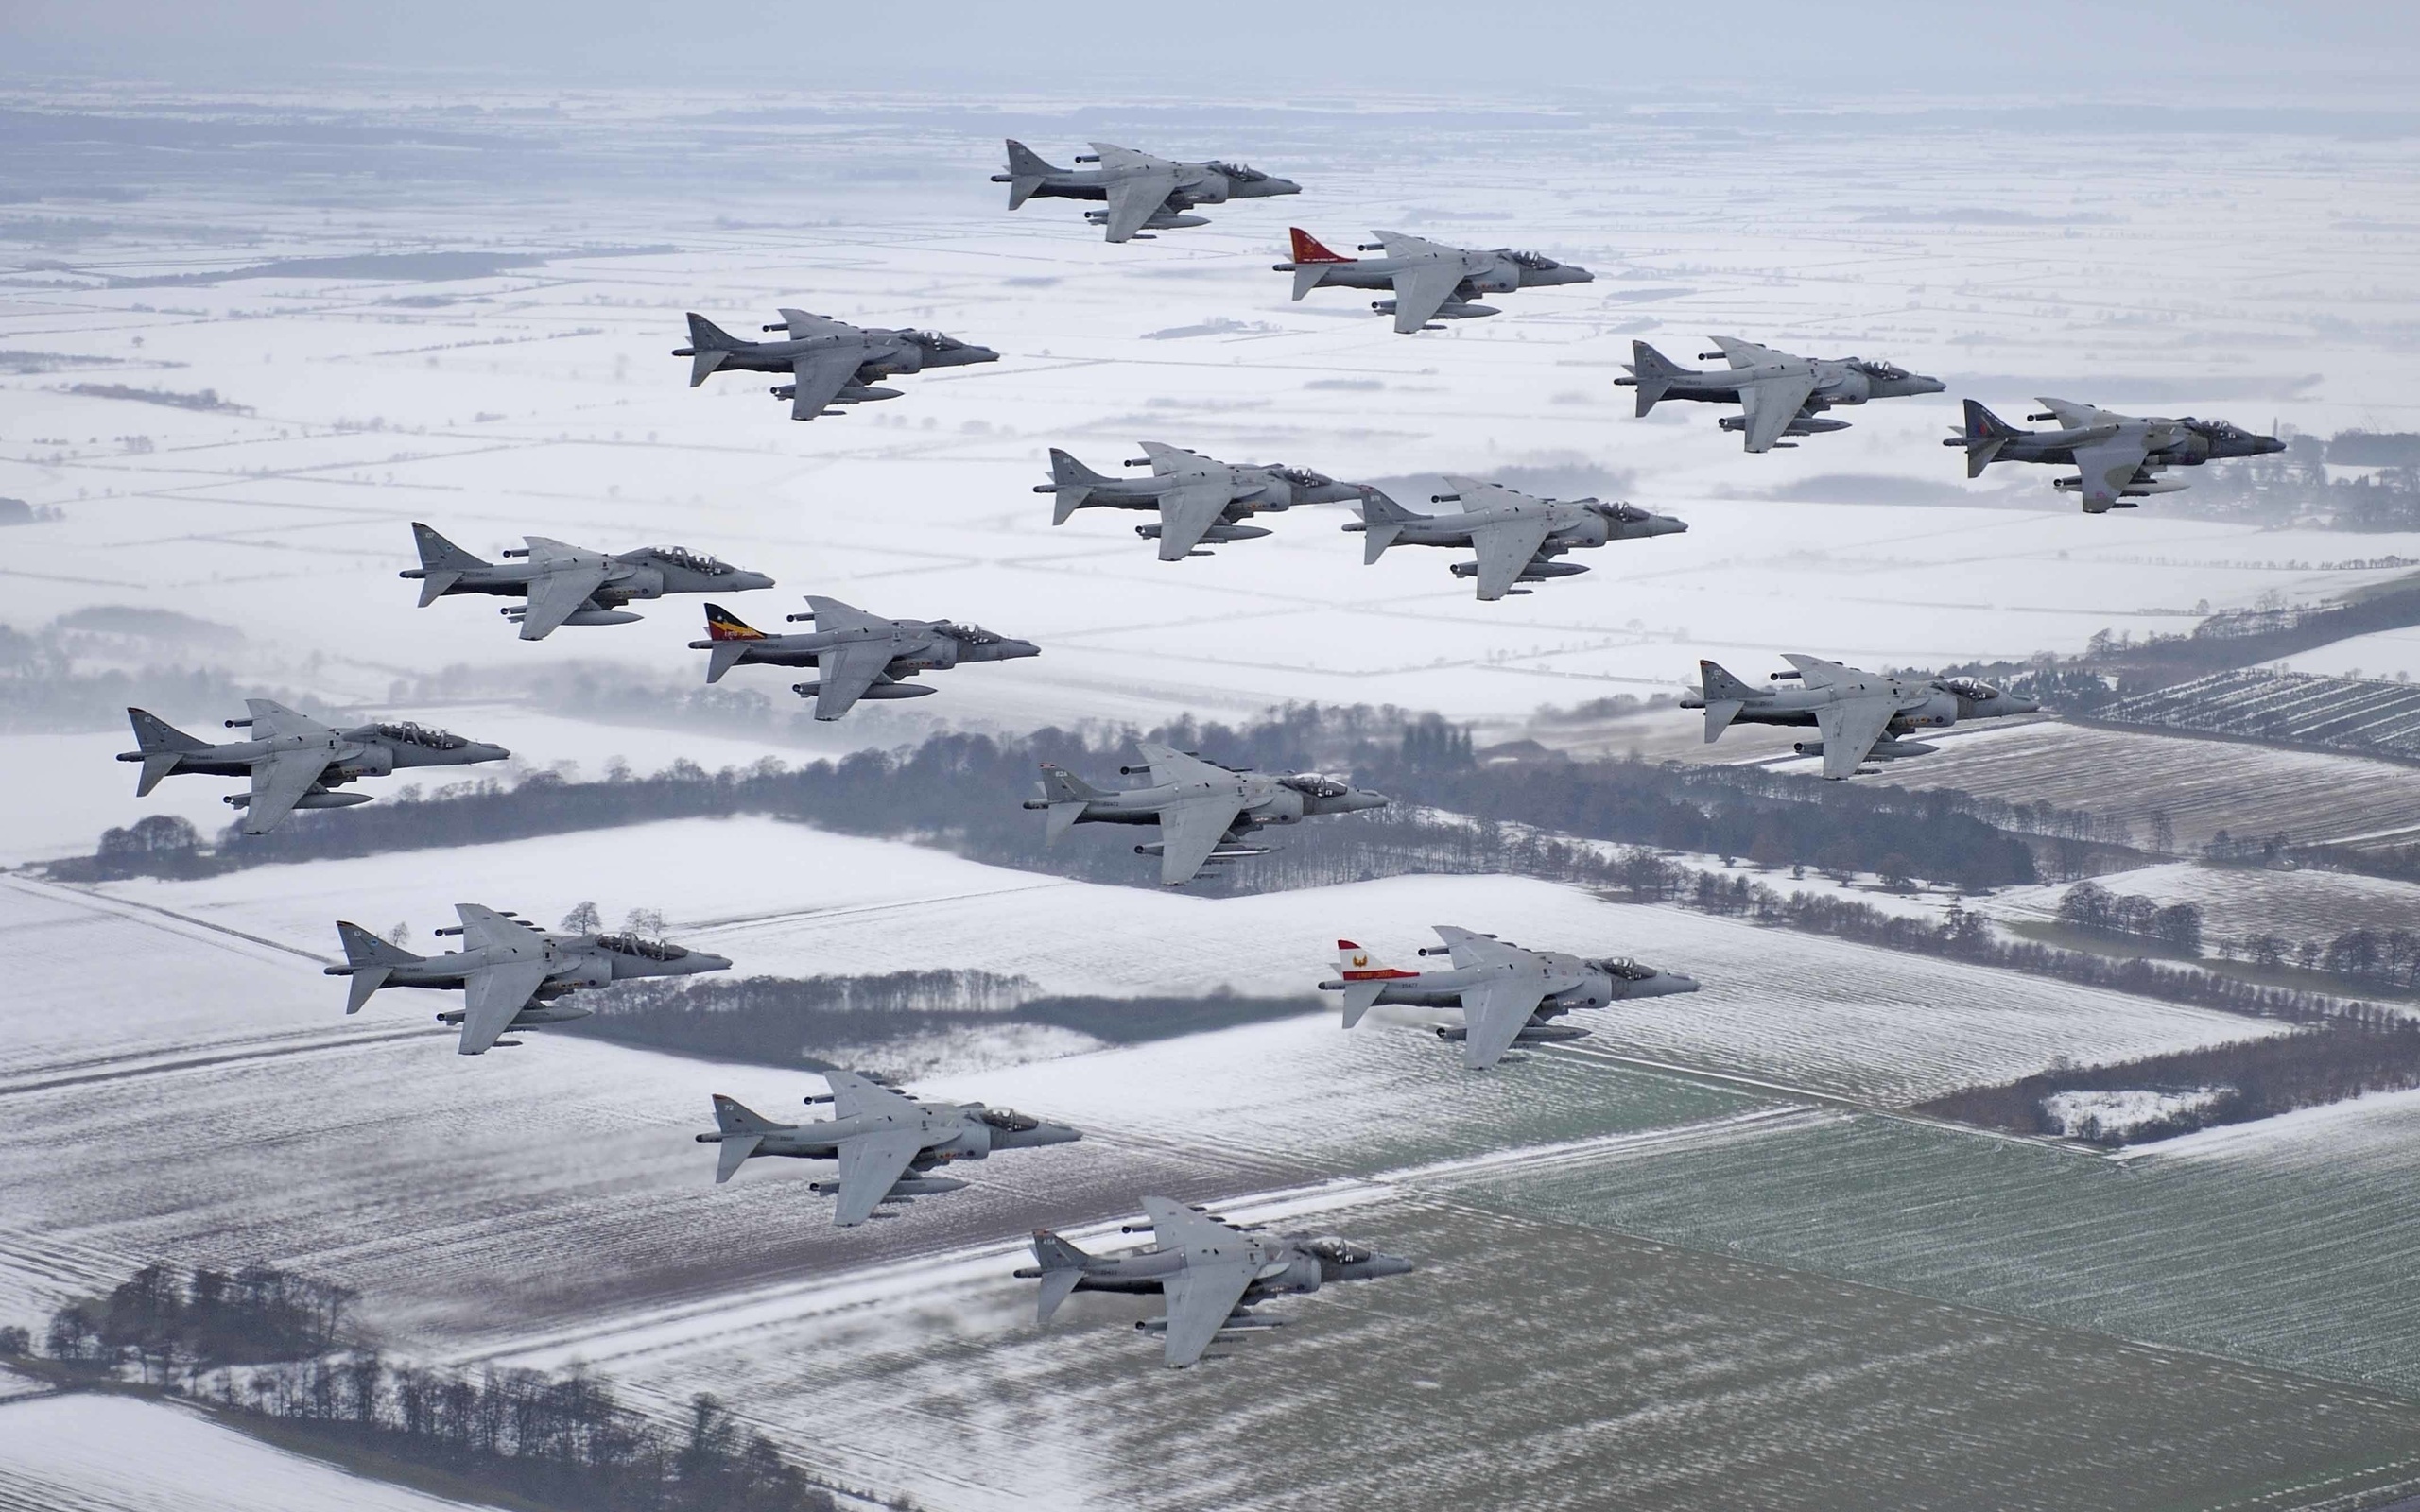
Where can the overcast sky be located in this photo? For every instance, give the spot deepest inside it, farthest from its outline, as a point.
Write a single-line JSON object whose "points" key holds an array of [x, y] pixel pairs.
{"points": [[2218, 51]]}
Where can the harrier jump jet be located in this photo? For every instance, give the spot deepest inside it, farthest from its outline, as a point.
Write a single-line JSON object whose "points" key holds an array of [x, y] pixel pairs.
{"points": [[855, 655], [1199, 499], [293, 761], [1778, 394], [1210, 1273], [1517, 536], [829, 362], [1205, 812], [1430, 280], [1860, 714], [1143, 194], [2116, 456], [511, 973], [1506, 994], [888, 1143], [565, 585]]}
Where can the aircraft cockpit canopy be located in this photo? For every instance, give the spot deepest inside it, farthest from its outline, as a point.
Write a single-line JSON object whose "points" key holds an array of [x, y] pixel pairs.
{"points": [[632, 943], [408, 733], [694, 562]]}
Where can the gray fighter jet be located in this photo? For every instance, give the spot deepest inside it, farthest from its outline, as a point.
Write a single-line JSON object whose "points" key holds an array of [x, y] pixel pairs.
{"points": [[2117, 457], [829, 362], [511, 973], [888, 1144], [294, 760], [1210, 1273], [1860, 716], [1431, 281], [1205, 812], [1142, 193], [564, 585], [1778, 394], [855, 655], [1516, 535], [1506, 994], [1197, 499]]}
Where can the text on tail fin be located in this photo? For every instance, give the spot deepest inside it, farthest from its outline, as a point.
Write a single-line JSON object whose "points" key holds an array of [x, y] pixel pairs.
{"points": [[734, 1117], [1309, 249]]}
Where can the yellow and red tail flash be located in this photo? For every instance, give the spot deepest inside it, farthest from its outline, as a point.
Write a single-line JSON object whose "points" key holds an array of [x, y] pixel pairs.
{"points": [[1358, 965], [722, 625]]}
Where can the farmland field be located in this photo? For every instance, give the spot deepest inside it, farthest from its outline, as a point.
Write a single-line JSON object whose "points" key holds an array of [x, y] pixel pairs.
{"points": [[2240, 901]]}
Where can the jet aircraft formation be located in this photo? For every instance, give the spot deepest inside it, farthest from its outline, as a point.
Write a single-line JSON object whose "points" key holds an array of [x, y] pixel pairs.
{"points": [[1493, 996]]}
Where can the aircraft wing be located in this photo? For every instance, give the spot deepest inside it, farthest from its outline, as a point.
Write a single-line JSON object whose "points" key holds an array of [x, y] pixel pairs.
{"points": [[1186, 514], [1493, 1015], [1168, 764], [821, 374], [483, 926], [1748, 354], [1135, 198], [278, 784], [1200, 1298], [1473, 949], [1421, 289], [1850, 729], [1174, 461], [565, 579], [1817, 673], [272, 720], [491, 995], [2109, 466], [1505, 547], [852, 1094], [2076, 416], [870, 1163], [1395, 244], [843, 673], [1772, 404], [805, 326], [1190, 829]]}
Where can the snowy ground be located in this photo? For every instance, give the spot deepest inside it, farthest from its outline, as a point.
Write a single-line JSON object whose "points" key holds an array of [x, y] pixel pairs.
{"points": [[94, 1454], [2237, 901]]}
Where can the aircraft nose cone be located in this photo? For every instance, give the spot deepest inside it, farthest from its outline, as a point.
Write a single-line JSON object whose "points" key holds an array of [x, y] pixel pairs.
{"points": [[709, 961], [1390, 1265], [1671, 527], [484, 752], [975, 353], [1283, 186], [1568, 274], [1932, 386], [1056, 1134], [744, 581], [2023, 706], [1011, 649], [2267, 444], [1363, 799]]}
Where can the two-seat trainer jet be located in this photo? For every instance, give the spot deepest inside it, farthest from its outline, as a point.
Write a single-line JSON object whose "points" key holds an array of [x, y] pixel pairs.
{"points": [[513, 975], [1199, 499], [1431, 281], [565, 585], [888, 1143], [1861, 716], [1143, 194], [293, 759], [1516, 535], [829, 362], [1778, 394], [1507, 995], [1209, 1272], [1205, 812], [855, 655], [2117, 457]]}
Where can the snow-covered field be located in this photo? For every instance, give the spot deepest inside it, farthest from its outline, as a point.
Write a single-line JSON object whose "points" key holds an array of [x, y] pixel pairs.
{"points": [[2237, 902], [97, 1454]]}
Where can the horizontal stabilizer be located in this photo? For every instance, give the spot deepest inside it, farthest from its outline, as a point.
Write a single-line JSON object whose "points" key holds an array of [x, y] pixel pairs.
{"points": [[736, 1150], [435, 582], [1358, 997], [1719, 715], [366, 980], [724, 656], [702, 362], [1654, 373]]}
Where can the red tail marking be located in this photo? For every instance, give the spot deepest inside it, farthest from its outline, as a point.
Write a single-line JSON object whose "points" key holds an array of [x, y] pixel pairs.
{"points": [[1307, 248]]}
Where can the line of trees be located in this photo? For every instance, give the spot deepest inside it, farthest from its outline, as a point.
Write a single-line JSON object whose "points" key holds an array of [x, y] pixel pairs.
{"points": [[2246, 1080], [963, 792], [267, 1343], [801, 1022], [2089, 905]]}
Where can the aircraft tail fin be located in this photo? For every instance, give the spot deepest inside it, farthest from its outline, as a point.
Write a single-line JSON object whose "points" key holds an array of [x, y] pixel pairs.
{"points": [[442, 563], [1986, 433], [1382, 522], [1027, 171], [159, 742], [1311, 260], [1065, 793], [709, 344], [1072, 482], [370, 961], [742, 1131], [732, 1116], [1725, 695], [1365, 977], [1654, 372], [730, 636], [1063, 1266]]}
